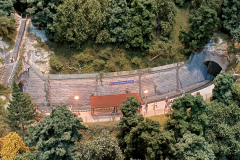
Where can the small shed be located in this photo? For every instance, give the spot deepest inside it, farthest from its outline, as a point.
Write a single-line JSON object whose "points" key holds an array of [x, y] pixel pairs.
{"points": [[110, 101]]}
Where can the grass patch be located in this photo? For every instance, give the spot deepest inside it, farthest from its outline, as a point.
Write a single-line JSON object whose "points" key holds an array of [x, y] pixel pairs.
{"points": [[102, 58], [10, 41], [160, 118], [182, 18], [95, 129]]}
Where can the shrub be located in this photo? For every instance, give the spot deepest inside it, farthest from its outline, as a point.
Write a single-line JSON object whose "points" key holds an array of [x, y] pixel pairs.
{"points": [[137, 61], [103, 37], [106, 53], [11, 145], [26, 156], [55, 63], [111, 66], [98, 63]]}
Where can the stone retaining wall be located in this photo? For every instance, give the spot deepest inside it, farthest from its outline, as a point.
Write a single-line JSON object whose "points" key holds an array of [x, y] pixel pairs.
{"points": [[60, 89], [52, 90]]}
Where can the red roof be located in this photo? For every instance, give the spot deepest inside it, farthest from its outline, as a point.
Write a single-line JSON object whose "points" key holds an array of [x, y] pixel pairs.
{"points": [[110, 100]]}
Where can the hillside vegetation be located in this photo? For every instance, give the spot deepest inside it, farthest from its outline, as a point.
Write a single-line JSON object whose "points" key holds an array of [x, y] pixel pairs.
{"points": [[89, 36]]}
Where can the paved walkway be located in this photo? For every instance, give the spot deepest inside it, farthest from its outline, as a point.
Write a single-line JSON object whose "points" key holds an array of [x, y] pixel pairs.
{"points": [[11, 66], [87, 117]]}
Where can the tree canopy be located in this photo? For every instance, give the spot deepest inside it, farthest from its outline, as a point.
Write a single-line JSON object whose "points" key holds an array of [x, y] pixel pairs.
{"points": [[56, 134], [202, 24], [222, 90], [142, 22], [20, 111], [102, 147], [6, 7]]}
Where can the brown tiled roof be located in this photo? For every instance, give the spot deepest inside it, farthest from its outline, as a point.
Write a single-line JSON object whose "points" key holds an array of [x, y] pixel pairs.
{"points": [[110, 100]]}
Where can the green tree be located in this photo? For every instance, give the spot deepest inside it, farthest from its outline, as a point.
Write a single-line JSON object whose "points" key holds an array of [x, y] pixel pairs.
{"points": [[143, 142], [182, 120], [142, 22], [70, 23], [129, 119], [20, 111], [188, 116], [181, 2], [117, 20], [95, 13], [43, 12], [103, 37], [56, 134], [201, 24], [192, 146], [236, 93], [213, 4], [231, 15], [166, 12], [78, 21], [166, 49], [26, 156], [222, 90], [6, 7], [223, 132], [102, 147], [7, 26]]}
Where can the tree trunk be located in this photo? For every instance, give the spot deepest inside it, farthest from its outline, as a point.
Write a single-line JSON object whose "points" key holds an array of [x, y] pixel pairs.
{"points": [[21, 121]]}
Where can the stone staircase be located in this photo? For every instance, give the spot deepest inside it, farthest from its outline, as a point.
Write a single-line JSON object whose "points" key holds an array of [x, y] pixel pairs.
{"points": [[2, 73]]}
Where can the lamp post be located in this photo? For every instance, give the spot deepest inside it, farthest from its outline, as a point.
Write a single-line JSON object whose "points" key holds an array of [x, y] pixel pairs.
{"points": [[76, 98], [145, 93]]}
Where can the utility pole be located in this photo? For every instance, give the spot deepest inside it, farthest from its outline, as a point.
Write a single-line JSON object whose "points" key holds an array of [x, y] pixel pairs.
{"points": [[140, 85], [177, 78], [97, 85]]}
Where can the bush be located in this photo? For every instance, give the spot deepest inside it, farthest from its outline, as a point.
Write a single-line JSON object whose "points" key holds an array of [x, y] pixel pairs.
{"points": [[83, 58], [98, 63], [111, 66], [55, 63], [103, 37], [26, 156], [137, 61], [106, 53], [11, 145], [101, 148]]}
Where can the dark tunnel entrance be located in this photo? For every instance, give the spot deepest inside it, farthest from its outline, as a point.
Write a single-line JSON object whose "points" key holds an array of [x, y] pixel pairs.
{"points": [[21, 86], [213, 68]]}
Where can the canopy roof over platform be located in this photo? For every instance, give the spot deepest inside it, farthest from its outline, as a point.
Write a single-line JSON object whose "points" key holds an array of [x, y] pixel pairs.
{"points": [[110, 100]]}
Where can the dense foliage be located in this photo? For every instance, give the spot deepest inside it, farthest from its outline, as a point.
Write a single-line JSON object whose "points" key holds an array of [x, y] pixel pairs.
{"points": [[7, 26], [231, 15], [7, 22], [11, 145], [56, 134], [4, 128], [102, 147], [130, 23], [166, 12], [6, 7], [202, 25], [142, 22], [222, 91], [26, 156], [20, 111], [117, 20]]}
